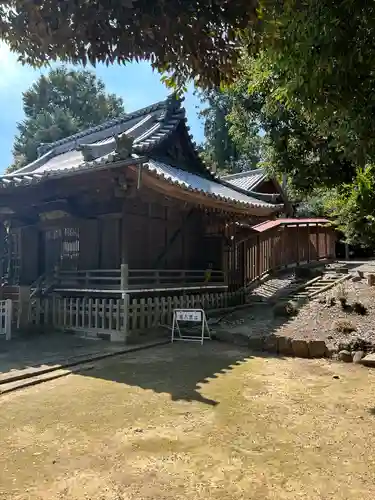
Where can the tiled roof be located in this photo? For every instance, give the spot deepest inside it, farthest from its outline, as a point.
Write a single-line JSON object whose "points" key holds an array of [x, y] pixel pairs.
{"points": [[211, 188], [147, 127], [248, 180], [29, 179], [265, 226]]}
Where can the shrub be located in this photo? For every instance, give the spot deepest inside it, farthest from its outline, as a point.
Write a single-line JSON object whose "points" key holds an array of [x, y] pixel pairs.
{"points": [[285, 309], [359, 308], [343, 326]]}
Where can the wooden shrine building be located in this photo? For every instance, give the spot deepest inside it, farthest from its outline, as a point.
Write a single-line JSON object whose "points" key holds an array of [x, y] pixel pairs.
{"points": [[123, 209]]}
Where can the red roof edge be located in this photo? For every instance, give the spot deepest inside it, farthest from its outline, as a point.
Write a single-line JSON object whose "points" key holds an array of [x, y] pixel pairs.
{"points": [[265, 226]]}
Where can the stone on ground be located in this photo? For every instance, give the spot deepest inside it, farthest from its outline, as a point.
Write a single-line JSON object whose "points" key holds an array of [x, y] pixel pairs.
{"points": [[368, 360], [270, 343], [300, 348], [284, 346], [345, 356], [357, 356], [317, 349]]}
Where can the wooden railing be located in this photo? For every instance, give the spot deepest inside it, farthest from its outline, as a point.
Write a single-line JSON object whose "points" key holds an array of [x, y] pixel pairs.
{"points": [[277, 248], [137, 279], [115, 319]]}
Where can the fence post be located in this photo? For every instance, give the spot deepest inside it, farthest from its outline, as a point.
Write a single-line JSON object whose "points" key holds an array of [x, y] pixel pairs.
{"points": [[124, 277], [8, 319]]}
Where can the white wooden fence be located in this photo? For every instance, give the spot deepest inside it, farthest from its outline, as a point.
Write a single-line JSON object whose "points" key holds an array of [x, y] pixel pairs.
{"points": [[6, 319], [117, 318]]}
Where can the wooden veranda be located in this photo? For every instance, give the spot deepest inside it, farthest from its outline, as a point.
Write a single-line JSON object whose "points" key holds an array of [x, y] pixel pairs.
{"points": [[266, 248]]}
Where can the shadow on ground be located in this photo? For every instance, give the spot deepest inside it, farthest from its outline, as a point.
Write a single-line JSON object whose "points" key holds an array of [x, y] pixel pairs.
{"points": [[48, 349], [179, 369]]}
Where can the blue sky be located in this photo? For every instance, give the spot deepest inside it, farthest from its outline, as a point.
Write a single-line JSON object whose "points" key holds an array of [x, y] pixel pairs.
{"points": [[137, 84]]}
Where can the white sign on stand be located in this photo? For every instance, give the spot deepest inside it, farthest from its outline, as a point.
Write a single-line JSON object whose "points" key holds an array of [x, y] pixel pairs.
{"points": [[191, 316]]}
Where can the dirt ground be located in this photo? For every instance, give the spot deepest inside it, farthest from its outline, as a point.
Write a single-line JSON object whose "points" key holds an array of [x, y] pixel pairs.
{"points": [[190, 422], [315, 320]]}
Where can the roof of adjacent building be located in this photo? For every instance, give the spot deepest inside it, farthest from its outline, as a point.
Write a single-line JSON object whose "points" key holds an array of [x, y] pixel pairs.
{"points": [[193, 182], [265, 226], [145, 130], [248, 180]]}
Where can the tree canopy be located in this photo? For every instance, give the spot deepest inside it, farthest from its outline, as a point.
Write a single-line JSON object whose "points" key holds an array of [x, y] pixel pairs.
{"points": [[220, 149], [316, 58], [292, 143], [58, 105], [193, 38]]}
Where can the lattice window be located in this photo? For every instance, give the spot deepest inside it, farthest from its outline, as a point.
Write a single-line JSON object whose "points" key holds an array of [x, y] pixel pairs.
{"points": [[70, 248], [62, 248]]}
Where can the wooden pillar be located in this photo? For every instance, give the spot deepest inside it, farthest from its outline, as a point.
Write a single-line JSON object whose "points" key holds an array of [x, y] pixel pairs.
{"points": [[326, 242], [124, 236], [258, 256], [308, 243], [317, 242], [297, 231], [124, 285]]}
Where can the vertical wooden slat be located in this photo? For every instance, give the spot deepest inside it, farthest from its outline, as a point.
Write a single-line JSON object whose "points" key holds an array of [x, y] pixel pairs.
{"points": [[142, 314], [149, 312], [96, 314], [103, 315], [169, 310], [70, 312], [163, 311], [64, 312], [83, 312], [132, 316], [89, 312], [118, 311], [110, 314], [46, 318], [78, 302], [156, 318]]}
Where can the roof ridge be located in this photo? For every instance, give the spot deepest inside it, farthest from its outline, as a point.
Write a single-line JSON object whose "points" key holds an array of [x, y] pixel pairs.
{"points": [[244, 173], [172, 98]]}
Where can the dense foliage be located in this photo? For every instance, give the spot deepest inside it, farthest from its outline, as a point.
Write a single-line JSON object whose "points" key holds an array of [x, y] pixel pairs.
{"points": [[193, 38], [58, 105], [220, 149], [316, 57], [292, 143], [353, 208]]}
